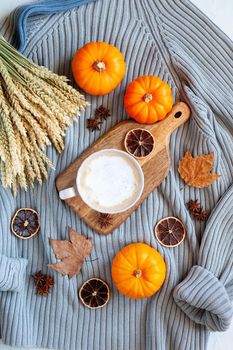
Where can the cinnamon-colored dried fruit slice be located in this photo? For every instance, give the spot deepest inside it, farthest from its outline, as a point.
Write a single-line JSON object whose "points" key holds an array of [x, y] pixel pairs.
{"points": [[94, 293], [139, 143], [25, 223], [170, 231]]}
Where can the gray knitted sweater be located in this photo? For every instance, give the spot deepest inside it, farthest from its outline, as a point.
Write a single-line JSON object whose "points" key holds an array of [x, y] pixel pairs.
{"points": [[171, 39]]}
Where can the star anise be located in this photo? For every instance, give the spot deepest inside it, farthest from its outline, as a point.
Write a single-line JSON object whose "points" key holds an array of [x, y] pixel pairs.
{"points": [[201, 215], [193, 206], [94, 124], [43, 283], [102, 112], [104, 220]]}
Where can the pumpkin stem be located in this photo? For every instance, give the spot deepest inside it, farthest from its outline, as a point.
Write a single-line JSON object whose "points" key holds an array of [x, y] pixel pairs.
{"points": [[137, 273], [148, 97], [99, 66]]}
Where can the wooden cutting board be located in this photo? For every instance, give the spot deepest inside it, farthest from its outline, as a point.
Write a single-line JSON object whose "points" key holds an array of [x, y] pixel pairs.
{"points": [[155, 166]]}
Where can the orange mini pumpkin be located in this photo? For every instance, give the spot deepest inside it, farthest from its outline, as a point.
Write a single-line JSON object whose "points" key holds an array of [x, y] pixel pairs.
{"points": [[138, 270], [98, 68], [148, 99]]}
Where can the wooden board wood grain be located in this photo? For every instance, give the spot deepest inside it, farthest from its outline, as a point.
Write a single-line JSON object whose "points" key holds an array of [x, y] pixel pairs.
{"points": [[155, 167]]}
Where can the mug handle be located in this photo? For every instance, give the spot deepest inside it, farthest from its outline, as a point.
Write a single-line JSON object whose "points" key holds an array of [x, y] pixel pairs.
{"points": [[68, 193]]}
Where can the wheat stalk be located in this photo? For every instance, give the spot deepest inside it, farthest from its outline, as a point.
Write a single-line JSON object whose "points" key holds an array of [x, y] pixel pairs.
{"points": [[36, 106]]}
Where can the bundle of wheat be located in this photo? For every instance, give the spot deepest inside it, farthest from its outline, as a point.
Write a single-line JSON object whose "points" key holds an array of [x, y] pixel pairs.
{"points": [[36, 106]]}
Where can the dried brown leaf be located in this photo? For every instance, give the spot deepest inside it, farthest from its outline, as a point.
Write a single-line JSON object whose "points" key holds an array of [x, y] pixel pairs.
{"points": [[71, 253], [196, 171]]}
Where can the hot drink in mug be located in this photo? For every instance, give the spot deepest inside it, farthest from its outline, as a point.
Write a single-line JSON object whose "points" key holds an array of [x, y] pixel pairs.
{"points": [[108, 181]]}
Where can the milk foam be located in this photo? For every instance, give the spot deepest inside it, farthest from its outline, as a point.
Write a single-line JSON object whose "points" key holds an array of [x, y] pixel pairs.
{"points": [[109, 181]]}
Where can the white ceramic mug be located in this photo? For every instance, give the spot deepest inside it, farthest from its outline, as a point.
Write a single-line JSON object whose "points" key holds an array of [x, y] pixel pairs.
{"points": [[127, 163]]}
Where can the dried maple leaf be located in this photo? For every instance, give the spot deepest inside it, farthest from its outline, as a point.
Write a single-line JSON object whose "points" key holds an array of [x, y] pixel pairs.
{"points": [[71, 253], [196, 171]]}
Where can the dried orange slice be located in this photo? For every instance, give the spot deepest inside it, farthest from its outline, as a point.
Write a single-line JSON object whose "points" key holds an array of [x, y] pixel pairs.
{"points": [[170, 231], [25, 223], [139, 143], [94, 293]]}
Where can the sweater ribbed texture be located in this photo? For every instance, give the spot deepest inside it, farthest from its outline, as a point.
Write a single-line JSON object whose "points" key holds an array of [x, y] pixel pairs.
{"points": [[171, 39], [13, 272]]}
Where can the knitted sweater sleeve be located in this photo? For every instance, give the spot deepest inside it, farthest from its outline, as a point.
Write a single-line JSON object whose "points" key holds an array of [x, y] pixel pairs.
{"points": [[205, 294], [201, 60], [197, 56], [12, 273], [12, 266]]}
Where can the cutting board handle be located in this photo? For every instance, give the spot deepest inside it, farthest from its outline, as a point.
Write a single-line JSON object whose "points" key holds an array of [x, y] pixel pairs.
{"points": [[179, 114]]}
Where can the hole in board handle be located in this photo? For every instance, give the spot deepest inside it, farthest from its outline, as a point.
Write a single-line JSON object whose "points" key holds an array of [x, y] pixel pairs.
{"points": [[178, 114]]}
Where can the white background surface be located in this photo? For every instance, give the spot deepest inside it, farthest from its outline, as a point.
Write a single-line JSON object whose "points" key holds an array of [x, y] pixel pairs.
{"points": [[220, 12]]}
